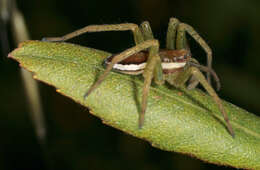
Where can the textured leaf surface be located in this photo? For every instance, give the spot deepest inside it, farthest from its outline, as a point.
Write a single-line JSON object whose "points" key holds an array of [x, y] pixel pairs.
{"points": [[176, 120]]}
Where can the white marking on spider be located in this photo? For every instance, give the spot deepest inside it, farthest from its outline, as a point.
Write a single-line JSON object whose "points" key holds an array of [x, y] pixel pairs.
{"points": [[135, 67], [130, 67], [169, 66]]}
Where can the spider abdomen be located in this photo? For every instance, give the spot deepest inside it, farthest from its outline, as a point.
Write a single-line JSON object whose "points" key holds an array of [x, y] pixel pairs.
{"points": [[171, 61]]}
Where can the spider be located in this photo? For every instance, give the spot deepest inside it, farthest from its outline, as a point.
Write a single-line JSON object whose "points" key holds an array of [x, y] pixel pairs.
{"points": [[173, 64]]}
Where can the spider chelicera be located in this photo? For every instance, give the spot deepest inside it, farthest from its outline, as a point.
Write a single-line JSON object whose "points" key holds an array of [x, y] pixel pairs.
{"points": [[173, 64]]}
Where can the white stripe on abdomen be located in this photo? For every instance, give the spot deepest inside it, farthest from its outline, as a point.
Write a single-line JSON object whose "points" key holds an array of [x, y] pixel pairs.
{"points": [[169, 66], [130, 67], [135, 67]]}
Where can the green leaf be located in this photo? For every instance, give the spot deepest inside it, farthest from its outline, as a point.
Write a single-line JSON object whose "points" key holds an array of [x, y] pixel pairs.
{"points": [[182, 121]]}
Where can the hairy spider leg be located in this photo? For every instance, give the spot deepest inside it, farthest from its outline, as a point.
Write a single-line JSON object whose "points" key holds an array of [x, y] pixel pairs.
{"points": [[176, 39], [193, 71], [138, 37]]}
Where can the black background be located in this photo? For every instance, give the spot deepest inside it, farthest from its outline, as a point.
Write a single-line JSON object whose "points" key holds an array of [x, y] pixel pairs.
{"points": [[77, 140]]}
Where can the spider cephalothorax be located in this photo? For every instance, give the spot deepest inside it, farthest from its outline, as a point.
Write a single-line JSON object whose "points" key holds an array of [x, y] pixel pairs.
{"points": [[174, 64]]}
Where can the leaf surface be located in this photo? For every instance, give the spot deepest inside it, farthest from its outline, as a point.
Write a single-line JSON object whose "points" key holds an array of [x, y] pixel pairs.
{"points": [[180, 120]]}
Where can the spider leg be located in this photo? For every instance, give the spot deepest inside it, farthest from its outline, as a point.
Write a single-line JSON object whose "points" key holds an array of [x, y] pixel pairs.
{"points": [[148, 35], [152, 70], [148, 74], [138, 37], [146, 30], [171, 33], [193, 71], [181, 43], [208, 70], [193, 82], [120, 57]]}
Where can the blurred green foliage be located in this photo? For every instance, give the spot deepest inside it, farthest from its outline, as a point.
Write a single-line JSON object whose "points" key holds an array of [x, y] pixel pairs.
{"points": [[230, 27]]}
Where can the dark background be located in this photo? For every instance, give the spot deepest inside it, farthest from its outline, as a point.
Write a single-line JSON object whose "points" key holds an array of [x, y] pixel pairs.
{"points": [[78, 140]]}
